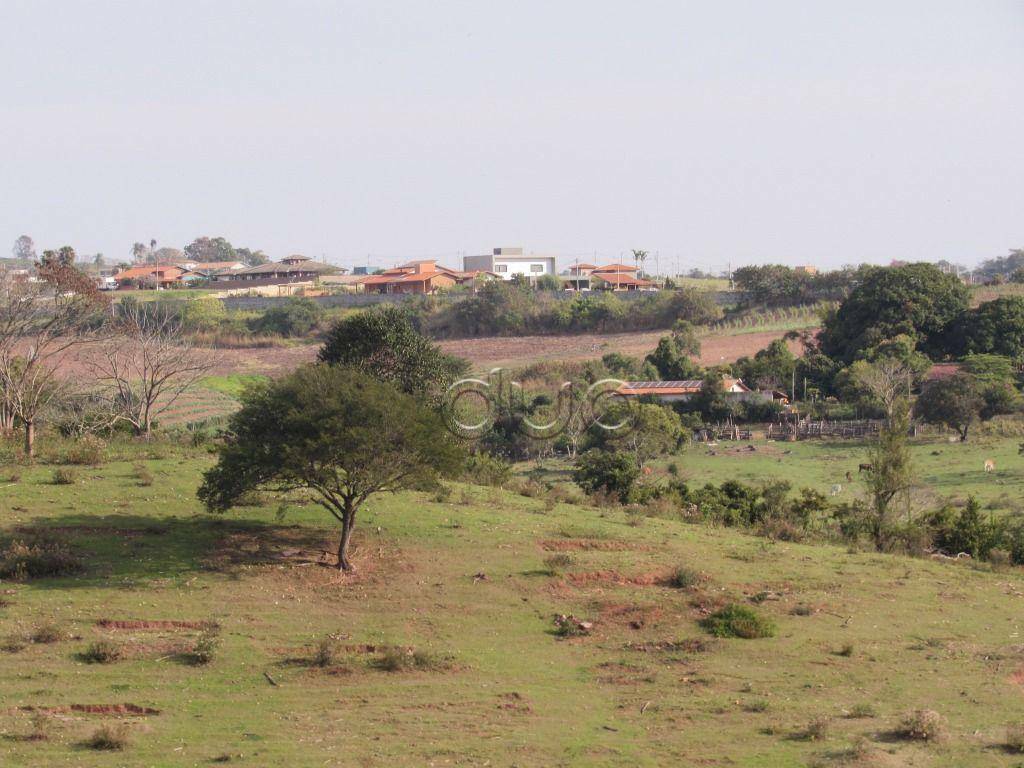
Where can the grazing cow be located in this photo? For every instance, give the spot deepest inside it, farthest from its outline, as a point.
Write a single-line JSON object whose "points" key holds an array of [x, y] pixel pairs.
{"points": [[849, 476], [990, 466], [864, 468], [836, 489]]}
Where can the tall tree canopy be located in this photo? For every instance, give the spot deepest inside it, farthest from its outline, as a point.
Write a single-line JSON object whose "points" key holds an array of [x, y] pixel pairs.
{"points": [[918, 300], [995, 327], [24, 249], [208, 249], [336, 433], [383, 342]]}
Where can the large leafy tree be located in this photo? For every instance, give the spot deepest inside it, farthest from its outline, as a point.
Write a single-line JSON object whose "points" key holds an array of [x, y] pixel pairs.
{"points": [[383, 342], [24, 248], [916, 300], [673, 357], [336, 433], [955, 401], [771, 368], [209, 249], [995, 327]]}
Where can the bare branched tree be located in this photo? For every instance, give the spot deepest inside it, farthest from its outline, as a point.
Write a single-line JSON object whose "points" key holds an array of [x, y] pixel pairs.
{"points": [[43, 323], [888, 380], [148, 364]]}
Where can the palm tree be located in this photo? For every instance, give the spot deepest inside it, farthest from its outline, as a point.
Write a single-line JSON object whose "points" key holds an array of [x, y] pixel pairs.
{"points": [[639, 257]]}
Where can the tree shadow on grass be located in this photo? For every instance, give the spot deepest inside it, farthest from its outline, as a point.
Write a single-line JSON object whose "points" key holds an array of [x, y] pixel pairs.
{"points": [[121, 550]]}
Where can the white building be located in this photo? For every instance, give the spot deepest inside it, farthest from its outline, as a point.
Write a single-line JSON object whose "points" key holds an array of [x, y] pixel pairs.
{"points": [[507, 262]]}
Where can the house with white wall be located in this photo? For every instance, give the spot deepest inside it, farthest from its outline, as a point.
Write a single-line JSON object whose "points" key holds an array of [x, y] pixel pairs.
{"points": [[508, 262]]}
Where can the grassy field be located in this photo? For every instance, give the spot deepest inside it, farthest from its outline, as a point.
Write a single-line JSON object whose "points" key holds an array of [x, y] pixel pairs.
{"points": [[470, 583], [942, 470]]}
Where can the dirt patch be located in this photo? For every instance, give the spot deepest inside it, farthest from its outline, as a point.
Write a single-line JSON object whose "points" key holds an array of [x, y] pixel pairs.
{"points": [[614, 578], [633, 615], [95, 709], [588, 545], [619, 673], [514, 702], [1017, 678]]}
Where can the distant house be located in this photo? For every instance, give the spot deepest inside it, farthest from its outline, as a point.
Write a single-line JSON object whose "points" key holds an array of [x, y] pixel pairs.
{"points": [[610, 277], [681, 391], [423, 276], [806, 269], [670, 391], [294, 269], [151, 276], [506, 263], [619, 281]]}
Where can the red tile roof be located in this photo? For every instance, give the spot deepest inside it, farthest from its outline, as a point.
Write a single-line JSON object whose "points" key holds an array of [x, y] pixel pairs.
{"points": [[616, 268]]}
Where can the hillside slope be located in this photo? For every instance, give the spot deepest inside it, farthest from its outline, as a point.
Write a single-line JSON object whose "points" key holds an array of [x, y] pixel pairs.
{"points": [[468, 582]]}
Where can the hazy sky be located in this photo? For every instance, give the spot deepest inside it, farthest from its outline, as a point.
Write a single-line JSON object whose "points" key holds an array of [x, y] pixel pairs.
{"points": [[803, 132]]}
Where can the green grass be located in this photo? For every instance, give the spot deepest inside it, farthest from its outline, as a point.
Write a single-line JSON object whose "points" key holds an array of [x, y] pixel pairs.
{"points": [[232, 384], [646, 687]]}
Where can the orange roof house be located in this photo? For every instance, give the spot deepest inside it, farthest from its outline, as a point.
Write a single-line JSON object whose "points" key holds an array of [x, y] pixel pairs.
{"points": [[614, 268], [150, 276], [415, 277]]}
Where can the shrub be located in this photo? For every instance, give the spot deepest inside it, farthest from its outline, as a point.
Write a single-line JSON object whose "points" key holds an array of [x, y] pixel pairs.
{"points": [[89, 450], [607, 471], [11, 476], [326, 652], [64, 476], [46, 633], [802, 610], [297, 317], [570, 626], [922, 725], [738, 621], [558, 563], [816, 730], [142, 474], [108, 738], [14, 644], [846, 650], [38, 559], [484, 469], [683, 578], [102, 652], [41, 726], [206, 645], [396, 659]]}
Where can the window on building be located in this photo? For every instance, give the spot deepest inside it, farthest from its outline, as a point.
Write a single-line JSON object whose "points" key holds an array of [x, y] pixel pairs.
{"points": [[501, 267], [536, 267]]}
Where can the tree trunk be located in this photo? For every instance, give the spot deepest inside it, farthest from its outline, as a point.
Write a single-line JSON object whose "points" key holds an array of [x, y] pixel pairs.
{"points": [[30, 439], [348, 522]]}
